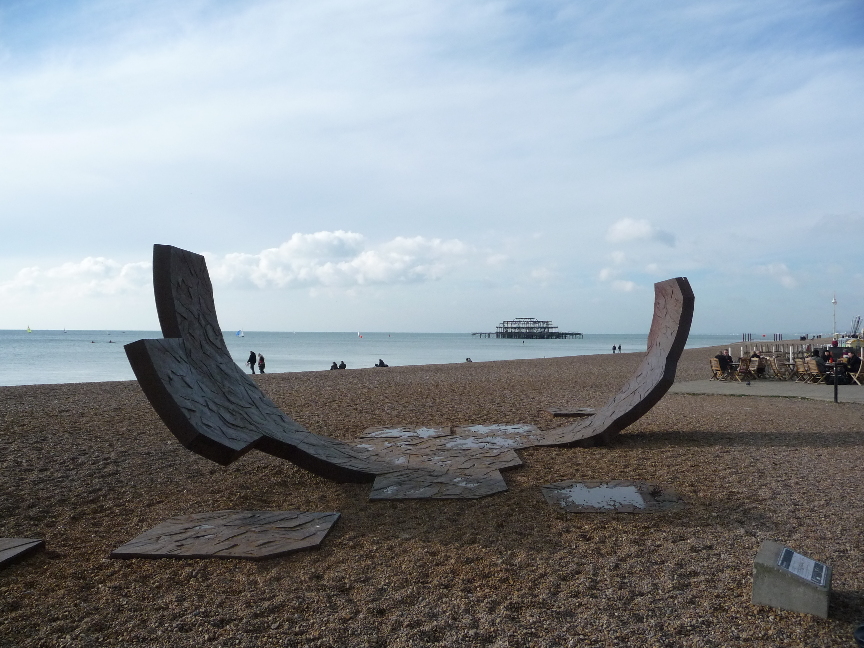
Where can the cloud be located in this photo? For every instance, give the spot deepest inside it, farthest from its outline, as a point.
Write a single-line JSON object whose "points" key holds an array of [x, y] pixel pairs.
{"points": [[623, 285], [778, 272], [606, 274], [324, 259], [629, 229], [340, 259], [90, 276]]}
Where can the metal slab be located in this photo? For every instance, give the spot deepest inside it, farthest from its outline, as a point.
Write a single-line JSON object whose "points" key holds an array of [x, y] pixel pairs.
{"points": [[444, 484], [381, 432], [253, 535], [570, 411], [11, 549], [616, 496]]}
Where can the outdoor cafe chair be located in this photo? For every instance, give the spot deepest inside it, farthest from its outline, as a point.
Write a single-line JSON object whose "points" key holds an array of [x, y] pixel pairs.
{"points": [[817, 376], [716, 372], [776, 368], [746, 368], [801, 373], [858, 376]]}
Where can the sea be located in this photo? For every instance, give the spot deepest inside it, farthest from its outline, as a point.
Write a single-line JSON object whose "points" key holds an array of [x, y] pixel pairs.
{"points": [[49, 357]]}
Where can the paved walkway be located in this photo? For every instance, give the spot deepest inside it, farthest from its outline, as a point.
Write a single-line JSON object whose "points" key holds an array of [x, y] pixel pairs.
{"points": [[781, 388]]}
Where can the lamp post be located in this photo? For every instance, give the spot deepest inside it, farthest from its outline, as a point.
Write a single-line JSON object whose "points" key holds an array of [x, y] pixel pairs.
{"points": [[834, 301]]}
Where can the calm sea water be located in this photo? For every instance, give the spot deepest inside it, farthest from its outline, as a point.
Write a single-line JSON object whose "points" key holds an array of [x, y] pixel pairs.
{"points": [[93, 356]]}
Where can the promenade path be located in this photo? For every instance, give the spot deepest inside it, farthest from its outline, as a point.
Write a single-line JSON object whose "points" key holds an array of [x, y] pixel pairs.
{"points": [[776, 388]]}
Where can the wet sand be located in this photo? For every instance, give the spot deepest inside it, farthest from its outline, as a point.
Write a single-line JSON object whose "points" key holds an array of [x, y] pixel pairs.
{"points": [[90, 466]]}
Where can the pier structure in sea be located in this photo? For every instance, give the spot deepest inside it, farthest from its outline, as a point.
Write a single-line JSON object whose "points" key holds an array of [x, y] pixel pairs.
{"points": [[529, 328]]}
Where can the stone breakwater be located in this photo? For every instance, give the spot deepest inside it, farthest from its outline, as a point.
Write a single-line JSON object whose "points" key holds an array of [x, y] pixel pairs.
{"points": [[89, 466]]}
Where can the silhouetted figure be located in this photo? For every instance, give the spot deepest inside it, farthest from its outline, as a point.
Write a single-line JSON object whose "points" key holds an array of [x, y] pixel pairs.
{"points": [[381, 363], [619, 348], [468, 360], [613, 348], [334, 366], [260, 363], [342, 365], [724, 362], [251, 361]]}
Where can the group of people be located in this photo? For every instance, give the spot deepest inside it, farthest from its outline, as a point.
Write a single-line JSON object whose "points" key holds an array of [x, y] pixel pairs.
{"points": [[828, 362], [252, 361], [614, 348], [826, 359], [341, 365]]}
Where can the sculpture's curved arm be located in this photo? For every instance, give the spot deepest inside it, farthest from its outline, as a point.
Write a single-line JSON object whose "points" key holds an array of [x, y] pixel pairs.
{"points": [[205, 399], [670, 327]]}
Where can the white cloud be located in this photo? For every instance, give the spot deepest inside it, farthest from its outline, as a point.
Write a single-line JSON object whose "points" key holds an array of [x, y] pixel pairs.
{"points": [[321, 260], [90, 276], [623, 285], [780, 273], [629, 229], [340, 259]]}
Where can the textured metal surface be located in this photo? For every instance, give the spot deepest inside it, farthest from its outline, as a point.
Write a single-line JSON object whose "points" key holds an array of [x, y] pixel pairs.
{"points": [[217, 411], [652, 498], [11, 549], [442, 484], [253, 535], [570, 411], [205, 399], [670, 327]]}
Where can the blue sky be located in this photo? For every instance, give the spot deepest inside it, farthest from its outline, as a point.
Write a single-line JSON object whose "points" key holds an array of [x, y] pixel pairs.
{"points": [[434, 166]]}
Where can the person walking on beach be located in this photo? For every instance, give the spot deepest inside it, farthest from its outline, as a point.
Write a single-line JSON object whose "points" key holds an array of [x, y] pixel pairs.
{"points": [[619, 348], [260, 363], [613, 348], [251, 361]]}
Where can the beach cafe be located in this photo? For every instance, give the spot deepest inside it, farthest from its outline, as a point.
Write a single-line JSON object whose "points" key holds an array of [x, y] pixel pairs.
{"points": [[836, 362]]}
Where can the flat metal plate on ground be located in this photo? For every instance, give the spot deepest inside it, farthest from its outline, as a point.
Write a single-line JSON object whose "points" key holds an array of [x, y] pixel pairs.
{"points": [[253, 535], [617, 496], [570, 411], [382, 432], [11, 549], [438, 484]]}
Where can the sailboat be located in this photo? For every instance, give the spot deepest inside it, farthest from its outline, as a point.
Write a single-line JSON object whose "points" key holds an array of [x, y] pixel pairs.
{"points": [[240, 333], [29, 330]]}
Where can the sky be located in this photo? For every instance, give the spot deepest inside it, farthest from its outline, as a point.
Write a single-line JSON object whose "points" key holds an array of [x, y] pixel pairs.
{"points": [[434, 166]]}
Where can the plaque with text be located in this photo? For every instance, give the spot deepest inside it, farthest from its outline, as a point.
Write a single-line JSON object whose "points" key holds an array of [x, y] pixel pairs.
{"points": [[802, 566]]}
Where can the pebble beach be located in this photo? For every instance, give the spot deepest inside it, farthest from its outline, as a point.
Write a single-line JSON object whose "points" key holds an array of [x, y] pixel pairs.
{"points": [[89, 466]]}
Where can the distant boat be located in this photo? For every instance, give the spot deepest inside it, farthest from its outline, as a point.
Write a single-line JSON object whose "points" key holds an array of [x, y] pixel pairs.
{"points": [[28, 329], [358, 334], [240, 333]]}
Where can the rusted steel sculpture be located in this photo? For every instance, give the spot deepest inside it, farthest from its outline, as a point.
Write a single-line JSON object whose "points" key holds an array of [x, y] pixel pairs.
{"points": [[205, 399], [217, 411], [670, 327]]}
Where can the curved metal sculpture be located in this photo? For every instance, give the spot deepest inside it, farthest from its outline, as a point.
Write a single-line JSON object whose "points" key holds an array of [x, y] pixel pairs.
{"points": [[205, 399], [670, 327], [217, 411]]}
